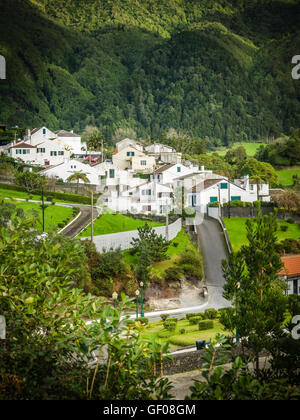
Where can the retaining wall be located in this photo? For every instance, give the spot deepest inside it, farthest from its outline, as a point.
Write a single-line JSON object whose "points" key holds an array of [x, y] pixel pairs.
{"points": [[123, 239]]}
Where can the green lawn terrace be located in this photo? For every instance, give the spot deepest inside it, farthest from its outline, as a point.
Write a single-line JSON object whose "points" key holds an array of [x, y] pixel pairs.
{"points": [[285, 176], [251, 148], [237, 231], [155, 331], [55, 216], [114, 223]]}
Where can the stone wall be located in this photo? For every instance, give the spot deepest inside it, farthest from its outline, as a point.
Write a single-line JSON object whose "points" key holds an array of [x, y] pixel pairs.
{"points": [[123, 239]]}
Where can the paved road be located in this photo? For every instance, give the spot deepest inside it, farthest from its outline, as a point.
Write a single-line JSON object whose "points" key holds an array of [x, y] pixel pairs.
{"points": [[213, 247], [81, 222]]}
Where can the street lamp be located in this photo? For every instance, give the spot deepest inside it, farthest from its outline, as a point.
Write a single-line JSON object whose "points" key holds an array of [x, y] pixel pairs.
{"points": [[238, 286], [137, 303], [43, 209], [142, 299], [115, 297]]}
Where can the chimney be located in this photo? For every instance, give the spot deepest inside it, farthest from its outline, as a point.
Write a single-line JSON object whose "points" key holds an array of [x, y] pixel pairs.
{"points": [[202, 168], [246, 182]]}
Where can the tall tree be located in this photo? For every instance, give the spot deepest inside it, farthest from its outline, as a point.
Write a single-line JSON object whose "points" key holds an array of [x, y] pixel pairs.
{"points": [[253, 285], [78, 176]]}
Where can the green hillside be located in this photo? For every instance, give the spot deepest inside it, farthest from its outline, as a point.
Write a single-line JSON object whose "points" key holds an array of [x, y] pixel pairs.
{"points": [[214, 70]]}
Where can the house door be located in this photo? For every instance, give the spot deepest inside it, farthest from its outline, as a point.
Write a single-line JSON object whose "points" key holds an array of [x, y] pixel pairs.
{"points": [[194, 200]]}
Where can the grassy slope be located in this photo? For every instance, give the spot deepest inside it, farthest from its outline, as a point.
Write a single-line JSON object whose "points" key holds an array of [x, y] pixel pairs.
{"points": [[236, 227], [114, 223], [157, 269], [251, 148], [285, 176], [53, 214]]}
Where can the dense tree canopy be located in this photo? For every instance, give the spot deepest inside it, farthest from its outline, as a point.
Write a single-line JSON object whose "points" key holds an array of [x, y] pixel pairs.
{"points": [[216, 71]]}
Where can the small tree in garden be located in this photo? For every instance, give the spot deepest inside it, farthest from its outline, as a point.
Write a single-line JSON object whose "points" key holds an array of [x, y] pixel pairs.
{"points": [[78, 176], [156, 244], [31, 181]]}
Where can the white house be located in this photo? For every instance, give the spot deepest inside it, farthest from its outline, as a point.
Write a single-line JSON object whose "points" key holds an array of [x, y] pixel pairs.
{"points": [[166, 174], [217, 190], [147, 198], [164, 154], [290, 272], [68, 168], [251, 185], [115, 179], [73, 140], [134, 159], [128, 142], [44, 153]]}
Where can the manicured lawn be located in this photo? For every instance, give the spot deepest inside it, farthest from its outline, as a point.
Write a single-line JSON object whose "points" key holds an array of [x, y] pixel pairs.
{"points": [[236, 228], [179, 244], [251, 148], [175, 338], [114, 223], [53, 214], [285, 176]]}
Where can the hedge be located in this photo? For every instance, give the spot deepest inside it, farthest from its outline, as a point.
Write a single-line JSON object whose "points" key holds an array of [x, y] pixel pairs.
{"points": [[194, 320], [206, 325]]}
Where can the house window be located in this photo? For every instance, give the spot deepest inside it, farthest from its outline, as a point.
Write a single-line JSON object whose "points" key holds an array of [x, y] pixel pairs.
{"points": [[178, 169], [61, 153], [251, 187], [41, 150], [143, 162], [130, 153], [111, 173], [213, 199], [44, 131], [53, 153], [236, 198], [224, 186], [26, 151]]}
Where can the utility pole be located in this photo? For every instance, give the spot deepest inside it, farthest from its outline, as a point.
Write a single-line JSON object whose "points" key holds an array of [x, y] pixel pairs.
{"points": [[229, 199], [43, 209], [102, 157], [92, 221], [167, 222]]}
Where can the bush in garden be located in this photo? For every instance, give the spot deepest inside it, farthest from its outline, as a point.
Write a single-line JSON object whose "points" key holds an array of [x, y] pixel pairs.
{"points": [[164, 316], [182, 331], [173, 274], [211, 313], [170, 324], [206, 325], [143, 320], [194, 320]]}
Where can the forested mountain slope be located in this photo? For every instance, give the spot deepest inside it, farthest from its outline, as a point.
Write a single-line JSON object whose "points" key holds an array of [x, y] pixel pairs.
{"points": [[218, 70]]}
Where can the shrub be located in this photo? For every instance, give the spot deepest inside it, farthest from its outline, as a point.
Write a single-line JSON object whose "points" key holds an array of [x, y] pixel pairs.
{"points": [[49, 198], [170, 324], [290, 220], [182, 331], [283, 228], [211, 313], [206, 325], [165, 333], [164, 316], [173, 274], [191, 264], [194, 320], [143, 320]]}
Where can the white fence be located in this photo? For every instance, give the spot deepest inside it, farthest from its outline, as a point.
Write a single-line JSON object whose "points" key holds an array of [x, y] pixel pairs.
{"points": [[123, 239]]}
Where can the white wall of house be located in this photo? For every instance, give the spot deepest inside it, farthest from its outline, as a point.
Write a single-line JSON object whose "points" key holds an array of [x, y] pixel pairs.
{"points": [[131, 158], [220, 192], [167, 177], [40, 134], [66, 169], [78, 147], [148, 198], [158, 148], [24, 151]]}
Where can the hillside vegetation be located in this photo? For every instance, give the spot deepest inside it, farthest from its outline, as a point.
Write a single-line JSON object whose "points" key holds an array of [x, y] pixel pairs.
{"points": [[214, 70]]}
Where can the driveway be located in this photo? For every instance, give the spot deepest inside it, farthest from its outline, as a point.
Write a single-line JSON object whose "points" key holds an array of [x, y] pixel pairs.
{"points": [[214, 250]]}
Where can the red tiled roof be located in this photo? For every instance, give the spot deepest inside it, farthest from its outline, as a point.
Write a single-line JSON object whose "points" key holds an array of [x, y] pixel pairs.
{"points": [[23, 145], [164, 168], [291, 266]]}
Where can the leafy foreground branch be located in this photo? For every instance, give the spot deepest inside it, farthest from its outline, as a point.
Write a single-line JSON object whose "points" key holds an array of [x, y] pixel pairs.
{"points": [[51, 351], [235, 381]]}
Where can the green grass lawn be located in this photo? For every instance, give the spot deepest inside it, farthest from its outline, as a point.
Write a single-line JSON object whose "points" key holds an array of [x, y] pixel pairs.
{"points": [[53, 214], [175, 338], [6, 193], [114, 223], [236, 228], [179, 244], [251, 148], [285, 176]]}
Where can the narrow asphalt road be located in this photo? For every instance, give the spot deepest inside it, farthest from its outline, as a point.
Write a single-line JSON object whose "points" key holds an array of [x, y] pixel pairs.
{"points": [[213, 247], [81, 222]]}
